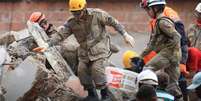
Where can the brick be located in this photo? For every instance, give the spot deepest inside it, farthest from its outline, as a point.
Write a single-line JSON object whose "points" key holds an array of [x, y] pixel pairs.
{"points": [[58, 15], [5, 17], [4, 27], [18, 17], [18, 26], [127, 12]]}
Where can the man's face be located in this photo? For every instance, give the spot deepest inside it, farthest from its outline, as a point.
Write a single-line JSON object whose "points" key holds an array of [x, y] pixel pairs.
{"points": [[78, 14], [150, 12], [198, 91]]}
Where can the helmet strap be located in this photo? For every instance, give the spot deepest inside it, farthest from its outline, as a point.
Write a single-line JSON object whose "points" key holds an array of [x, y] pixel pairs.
{"points": [[156, 11]]}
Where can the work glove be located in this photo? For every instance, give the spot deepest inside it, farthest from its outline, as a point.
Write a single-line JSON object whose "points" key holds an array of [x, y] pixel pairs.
{"points": [[183, 70], [137, 64], [128, 39]]}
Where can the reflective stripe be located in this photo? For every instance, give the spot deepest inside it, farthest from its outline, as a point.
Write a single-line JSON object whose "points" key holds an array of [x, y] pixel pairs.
{"points": [[164, 95]]}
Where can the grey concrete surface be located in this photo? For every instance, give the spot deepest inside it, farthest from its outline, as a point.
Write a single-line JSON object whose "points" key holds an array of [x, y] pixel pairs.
{"points": [[140, 43]]}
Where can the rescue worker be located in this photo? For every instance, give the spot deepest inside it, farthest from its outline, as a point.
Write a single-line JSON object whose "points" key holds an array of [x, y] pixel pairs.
{"points": [[194, 36], [171, 13], [165, 41], [88, 26]]}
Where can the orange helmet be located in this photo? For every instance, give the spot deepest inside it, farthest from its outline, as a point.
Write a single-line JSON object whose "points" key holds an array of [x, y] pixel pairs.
{"points": [[36, 17]]}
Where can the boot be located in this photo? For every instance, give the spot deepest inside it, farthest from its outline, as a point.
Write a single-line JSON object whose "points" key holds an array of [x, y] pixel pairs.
{"points": [[92, 95], [106, 95]]}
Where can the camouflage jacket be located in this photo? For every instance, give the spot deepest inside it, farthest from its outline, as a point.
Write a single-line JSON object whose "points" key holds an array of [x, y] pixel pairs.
{"points": [[91, 34], [194, 36], [164, 40]]}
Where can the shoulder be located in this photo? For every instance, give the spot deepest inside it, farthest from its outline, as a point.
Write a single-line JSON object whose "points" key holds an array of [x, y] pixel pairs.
{"points": [[165, 23], [70, 21], [96, 11]]}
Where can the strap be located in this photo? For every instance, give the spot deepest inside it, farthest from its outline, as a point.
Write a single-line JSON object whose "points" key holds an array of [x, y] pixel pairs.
{"points": [[163, 18]]}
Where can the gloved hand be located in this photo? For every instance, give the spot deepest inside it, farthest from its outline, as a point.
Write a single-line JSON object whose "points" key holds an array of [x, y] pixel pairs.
{"points": [[129, 39], [183, 70], [137, 64], [39, 49]]}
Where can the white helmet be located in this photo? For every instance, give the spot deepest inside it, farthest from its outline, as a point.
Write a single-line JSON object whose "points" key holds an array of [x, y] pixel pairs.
{"points": [[198, 8], [149, 3], [147, 77]]}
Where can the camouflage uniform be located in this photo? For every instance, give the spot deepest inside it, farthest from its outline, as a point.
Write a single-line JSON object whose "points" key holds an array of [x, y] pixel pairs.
{"points": [[194, 36], [94, 48], [166, 42], [47, 87]]}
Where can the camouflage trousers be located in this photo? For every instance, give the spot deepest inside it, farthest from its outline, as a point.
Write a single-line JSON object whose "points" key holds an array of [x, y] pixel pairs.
{"points": [[92, 71], [160, 62]]}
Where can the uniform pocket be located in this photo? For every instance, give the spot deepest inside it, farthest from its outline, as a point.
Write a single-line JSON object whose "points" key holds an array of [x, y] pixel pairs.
{"points": [[100, 48]]}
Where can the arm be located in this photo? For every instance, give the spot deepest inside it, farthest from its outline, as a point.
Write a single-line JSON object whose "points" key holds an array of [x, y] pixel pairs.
{"points": [[107, 19], [63, 33], [149, 48]]}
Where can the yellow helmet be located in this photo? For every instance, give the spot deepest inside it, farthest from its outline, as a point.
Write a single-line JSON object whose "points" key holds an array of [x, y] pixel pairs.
{"points": [[127, 58], [76, 5]]}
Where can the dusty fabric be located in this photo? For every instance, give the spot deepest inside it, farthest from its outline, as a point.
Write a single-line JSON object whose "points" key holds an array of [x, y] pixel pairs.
{"points": [[92, 70], [48, 86], [91, 33], [166, 42], [194, 36]]}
